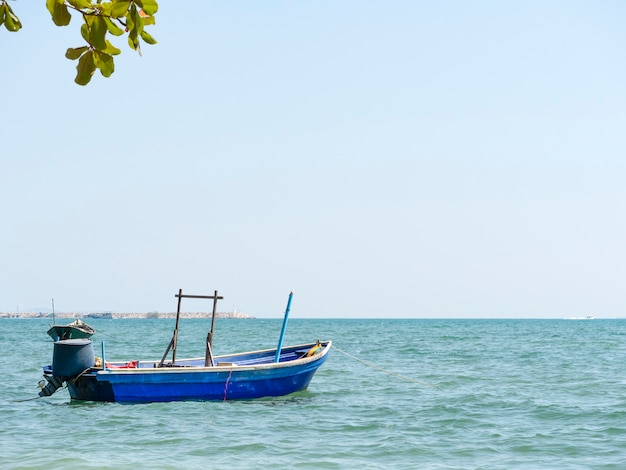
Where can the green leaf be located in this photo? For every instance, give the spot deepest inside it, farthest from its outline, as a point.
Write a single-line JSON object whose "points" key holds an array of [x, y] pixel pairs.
{"points": [[97, 32], [114, 29], [74, 53], [149, 20], [11, 22], [50, 5], [136, 19], [150, 7], [60, 14], [111, 49], [134, 23], [104, 62], [133, 43], [84, 32], [147, 38], [85, 68], [2, 13], [80, 4], [119, 8], [130, 22]]}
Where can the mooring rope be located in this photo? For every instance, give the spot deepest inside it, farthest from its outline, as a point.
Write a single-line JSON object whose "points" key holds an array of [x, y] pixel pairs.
{"points": [[25, 399], [81, 374], [384, 370], [230, 374]]}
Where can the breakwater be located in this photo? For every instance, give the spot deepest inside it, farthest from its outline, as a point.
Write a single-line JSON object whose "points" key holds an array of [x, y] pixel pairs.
{"points": [[113, 315]]}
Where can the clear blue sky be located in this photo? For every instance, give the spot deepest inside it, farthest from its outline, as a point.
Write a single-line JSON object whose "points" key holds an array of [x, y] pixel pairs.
{"points": [[380, 158]]}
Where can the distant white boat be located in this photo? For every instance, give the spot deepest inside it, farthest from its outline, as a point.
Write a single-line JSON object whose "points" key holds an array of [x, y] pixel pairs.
{"points": [[588, 317]]}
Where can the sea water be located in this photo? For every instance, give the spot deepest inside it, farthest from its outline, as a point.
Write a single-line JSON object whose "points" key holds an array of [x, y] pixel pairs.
{"points": [[420, 393]]}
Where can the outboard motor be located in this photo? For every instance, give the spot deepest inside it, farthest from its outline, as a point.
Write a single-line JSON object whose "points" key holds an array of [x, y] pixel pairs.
{"points": [[70, 358]]}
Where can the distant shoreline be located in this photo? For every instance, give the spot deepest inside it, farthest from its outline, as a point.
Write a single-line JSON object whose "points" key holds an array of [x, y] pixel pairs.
{"points": [[116, 315]]}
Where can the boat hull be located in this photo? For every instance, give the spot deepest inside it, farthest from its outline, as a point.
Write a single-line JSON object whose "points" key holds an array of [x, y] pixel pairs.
{"points": [[226, 381], [58, 333], [74, 330]]}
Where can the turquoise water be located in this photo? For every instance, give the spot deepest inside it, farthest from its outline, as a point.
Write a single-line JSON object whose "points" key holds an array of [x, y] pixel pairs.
{"points": [[511, 394]]}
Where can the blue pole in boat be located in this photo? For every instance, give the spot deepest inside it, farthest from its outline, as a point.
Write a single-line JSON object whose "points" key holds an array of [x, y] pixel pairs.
{"points": [[282, 331], [103, 358]]}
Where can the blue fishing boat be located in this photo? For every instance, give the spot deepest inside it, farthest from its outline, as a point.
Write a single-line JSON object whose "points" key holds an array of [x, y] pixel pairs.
{"points": [[255, 374]]}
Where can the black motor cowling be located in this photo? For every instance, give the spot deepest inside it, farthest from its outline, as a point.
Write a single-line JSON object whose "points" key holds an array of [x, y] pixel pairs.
{"points": [[71, 357]]}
